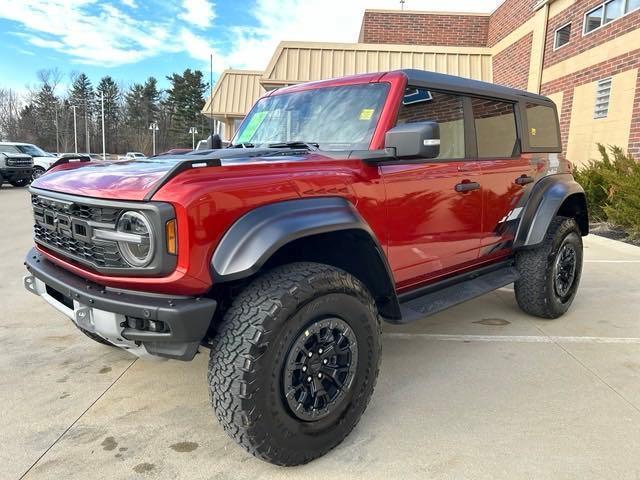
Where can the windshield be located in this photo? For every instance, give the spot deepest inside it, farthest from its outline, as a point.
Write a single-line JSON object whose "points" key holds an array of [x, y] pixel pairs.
{"points": [[33, 151], [334, 118]]}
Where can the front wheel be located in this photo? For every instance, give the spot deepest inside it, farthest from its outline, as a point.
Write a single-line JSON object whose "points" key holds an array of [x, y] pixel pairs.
{"points": [[550, 273], [23, 182], [295, 361]]}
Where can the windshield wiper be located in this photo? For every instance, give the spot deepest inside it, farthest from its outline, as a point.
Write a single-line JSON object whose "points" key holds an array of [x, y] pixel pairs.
{"points": [[313, 146], [242, 145]]}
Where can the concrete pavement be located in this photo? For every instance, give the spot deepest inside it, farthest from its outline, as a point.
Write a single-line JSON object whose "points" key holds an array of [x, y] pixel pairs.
{"points": [[479, 391]]}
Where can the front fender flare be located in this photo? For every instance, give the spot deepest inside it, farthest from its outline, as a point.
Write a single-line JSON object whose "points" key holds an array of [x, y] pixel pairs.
{"points": [[257, 235]]}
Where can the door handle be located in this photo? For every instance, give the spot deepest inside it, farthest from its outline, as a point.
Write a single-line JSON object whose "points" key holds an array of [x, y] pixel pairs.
{"points": [[524, 180], [467, 186]]}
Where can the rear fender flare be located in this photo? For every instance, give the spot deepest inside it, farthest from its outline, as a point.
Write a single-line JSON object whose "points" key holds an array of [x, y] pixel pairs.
{"points": [[544, 203]]}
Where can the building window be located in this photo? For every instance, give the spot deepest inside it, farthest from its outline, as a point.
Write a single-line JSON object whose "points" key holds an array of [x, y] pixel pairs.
{"points": [[495, 124], [562, 36], [422, 105], [607, 12], [603, 94]]}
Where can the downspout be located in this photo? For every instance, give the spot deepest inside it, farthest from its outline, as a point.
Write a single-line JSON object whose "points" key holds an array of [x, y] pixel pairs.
{"points": [[543, 4]]}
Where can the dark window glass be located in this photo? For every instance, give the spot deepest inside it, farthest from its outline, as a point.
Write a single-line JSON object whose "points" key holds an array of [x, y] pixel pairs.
{"points": [[593, 19], [613, 10], [543, 127], [422, 105], [562, 36], [495, 128]]}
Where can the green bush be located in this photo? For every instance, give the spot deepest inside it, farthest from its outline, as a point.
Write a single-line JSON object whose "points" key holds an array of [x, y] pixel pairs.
{"points": [[612, 186]]}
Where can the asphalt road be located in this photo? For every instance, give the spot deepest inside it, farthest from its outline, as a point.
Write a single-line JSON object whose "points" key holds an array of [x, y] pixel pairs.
{"points": [[479, 391]]}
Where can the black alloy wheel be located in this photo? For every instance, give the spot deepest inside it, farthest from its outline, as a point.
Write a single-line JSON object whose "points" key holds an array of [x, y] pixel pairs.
{"points": [[564, 270], [320, 368]]}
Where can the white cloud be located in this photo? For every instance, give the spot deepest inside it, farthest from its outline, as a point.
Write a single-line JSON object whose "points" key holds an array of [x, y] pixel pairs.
{"points": [[199, 13], [318, 20], [130, 3], [93, 32]]}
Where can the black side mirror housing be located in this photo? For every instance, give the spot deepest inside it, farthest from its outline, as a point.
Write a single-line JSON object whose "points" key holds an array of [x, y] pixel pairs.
{"points": [[414, 140]]}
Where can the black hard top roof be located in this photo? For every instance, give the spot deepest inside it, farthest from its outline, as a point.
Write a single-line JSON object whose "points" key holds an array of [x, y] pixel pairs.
{"points": [[440, 81]]}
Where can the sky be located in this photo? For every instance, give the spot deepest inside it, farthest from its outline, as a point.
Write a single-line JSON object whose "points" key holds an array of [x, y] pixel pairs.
{"points": [[134, 39]]}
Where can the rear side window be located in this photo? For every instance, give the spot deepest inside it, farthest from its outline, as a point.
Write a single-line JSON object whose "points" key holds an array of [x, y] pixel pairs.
{"points": [[495, 123], [422, 105], [543, 127]]}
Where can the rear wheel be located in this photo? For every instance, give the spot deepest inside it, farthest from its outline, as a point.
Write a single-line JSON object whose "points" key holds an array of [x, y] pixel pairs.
{"points": [[37, 172], [550, 273], [295, 361]]}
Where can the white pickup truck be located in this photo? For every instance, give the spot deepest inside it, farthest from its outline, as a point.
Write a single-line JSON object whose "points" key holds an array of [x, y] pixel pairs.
{"points": [[132, 156]]}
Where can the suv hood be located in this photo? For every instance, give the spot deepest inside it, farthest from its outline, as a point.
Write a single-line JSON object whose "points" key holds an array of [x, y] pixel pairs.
{"points": [[134, 179]]}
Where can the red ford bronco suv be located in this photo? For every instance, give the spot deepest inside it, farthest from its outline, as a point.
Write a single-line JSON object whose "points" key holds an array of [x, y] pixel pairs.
{"points": [[338, 205]]}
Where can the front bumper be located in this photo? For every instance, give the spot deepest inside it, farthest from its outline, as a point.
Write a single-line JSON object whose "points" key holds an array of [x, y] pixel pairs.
{"points": [[12, 174], [110, 313]]}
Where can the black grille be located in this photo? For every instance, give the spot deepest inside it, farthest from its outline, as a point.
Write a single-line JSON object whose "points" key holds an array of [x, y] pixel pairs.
{"points": [[78, 210], [19, 162], [66, 227]]}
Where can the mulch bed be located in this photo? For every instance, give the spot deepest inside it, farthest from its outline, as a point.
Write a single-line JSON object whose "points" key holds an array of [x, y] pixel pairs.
{"points": [[611, 231]]}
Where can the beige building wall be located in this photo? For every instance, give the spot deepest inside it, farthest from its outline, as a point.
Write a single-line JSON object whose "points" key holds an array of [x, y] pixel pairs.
{"points": [[612, 130]]}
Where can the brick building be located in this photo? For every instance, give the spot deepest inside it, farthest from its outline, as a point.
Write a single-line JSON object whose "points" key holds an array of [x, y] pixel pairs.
{"points": [[584, 54]]}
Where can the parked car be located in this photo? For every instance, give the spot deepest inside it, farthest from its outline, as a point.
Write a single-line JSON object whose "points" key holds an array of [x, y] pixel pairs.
{"points": [[132, 156], [15, 168], [41, 160], [339, 205], [174, 151]]}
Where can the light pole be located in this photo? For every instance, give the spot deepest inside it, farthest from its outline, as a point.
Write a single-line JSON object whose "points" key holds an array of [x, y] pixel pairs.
{"points": [[104, 148], [75, 129], [193, 131], [154, 128]]}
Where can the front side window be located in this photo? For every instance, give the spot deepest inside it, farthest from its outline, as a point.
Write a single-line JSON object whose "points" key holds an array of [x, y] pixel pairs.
{"points": [[543, 127], [422, 105], [335, 118], [495, 123], [33, 151]]}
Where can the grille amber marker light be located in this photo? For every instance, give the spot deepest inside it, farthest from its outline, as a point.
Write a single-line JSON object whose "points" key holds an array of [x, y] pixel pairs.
{"points": [[172, 237]]}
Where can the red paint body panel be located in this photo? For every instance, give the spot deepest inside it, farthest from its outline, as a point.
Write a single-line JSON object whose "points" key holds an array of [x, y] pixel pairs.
{"points": [[426, 228]]}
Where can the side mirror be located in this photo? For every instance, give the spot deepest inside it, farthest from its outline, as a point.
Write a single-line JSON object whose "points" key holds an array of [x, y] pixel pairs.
{"points": [[415, 140]]}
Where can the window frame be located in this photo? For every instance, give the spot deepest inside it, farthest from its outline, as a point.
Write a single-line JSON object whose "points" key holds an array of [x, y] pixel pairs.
{"points": [[517, 118], [470, 136], [604, 9], [465, 123], [524, 142], [555, 37]]}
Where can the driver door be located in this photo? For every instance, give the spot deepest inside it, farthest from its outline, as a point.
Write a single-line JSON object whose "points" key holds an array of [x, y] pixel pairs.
{"points": [[434, 224]]}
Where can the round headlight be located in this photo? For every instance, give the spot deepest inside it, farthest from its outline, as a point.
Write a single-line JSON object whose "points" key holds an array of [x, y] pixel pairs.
{"points": [[137, 250]]}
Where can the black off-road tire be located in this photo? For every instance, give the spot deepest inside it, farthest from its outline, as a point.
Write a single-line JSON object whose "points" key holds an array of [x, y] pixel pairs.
{"points": [[96, 337], [23, 182], [251, 347], [535, 291]]}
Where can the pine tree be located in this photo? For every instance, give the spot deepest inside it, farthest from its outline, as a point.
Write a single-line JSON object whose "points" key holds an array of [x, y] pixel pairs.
{"points": [[185, 98], [81, 95]]}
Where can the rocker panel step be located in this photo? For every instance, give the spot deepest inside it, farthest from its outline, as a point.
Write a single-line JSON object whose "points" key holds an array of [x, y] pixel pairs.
{"points": [[439, 300]]}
